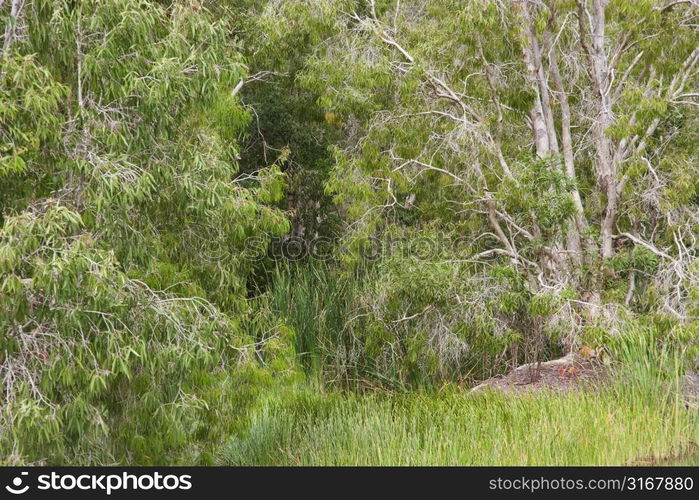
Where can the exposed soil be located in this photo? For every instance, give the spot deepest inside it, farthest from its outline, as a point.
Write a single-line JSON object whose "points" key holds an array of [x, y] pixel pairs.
{"points": [[569, 372]]}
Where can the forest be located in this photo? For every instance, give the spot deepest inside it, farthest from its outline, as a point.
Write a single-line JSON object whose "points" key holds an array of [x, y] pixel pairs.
{"points": [[349, 232]]}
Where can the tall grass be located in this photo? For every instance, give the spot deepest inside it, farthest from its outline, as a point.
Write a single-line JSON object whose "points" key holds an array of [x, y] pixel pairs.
{"points": [[637, 417], [575, 428], [315, 303], [651, 367]]}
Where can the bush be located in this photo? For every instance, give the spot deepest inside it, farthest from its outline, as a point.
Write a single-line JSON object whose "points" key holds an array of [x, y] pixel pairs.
{"points": [[99, 366]]}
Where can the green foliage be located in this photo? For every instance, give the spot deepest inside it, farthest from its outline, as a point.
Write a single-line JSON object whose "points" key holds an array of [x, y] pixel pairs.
{"points": [[409, 320], [29, 119], [436, 103], [146, 146], [290, 128], [639, 258], [100, 365], [124, 223], [541, 195]]}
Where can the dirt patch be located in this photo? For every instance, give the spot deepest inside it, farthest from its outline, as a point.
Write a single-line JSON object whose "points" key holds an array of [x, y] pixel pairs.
{"points": [[569, 372]]}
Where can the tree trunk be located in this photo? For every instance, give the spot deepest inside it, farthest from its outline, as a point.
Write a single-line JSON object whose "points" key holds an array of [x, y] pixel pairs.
{"points": [[11, 26]]}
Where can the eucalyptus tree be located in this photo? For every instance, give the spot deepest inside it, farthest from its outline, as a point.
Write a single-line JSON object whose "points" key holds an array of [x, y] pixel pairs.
{"points": [[556, 140], [122, 271], [289, 126]]}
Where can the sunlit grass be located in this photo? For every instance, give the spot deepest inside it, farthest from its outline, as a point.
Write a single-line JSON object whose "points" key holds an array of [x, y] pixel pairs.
{"points": [[637, 417], [609, 427]]}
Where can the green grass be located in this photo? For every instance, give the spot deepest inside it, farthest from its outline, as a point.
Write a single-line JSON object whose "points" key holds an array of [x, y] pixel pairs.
{"points": [[611, 427], [316, 303], [639, 417]]}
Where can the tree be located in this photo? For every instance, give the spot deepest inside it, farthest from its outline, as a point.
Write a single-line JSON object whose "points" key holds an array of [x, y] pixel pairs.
{"points": [[122, 264], [545, 134]]}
